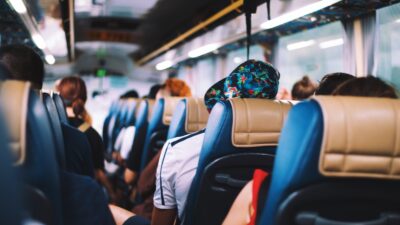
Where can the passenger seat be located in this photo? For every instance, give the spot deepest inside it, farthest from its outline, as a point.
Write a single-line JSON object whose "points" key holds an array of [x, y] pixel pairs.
{"points": [[338, 162], [32, 144], [190, 115], [241, 136], [158, 128]]}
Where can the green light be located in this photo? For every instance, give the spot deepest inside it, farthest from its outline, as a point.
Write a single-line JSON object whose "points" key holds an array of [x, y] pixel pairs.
{"points": [[101, 72]]}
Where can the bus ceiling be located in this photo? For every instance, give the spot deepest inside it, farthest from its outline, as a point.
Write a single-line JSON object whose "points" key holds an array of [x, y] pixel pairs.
{"points": [[146, 30]]}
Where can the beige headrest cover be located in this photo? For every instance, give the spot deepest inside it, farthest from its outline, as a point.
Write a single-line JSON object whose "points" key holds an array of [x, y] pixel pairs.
{"points": [[257, 122], [169, 108], [14, 96], [196, 115], [361, 137]]}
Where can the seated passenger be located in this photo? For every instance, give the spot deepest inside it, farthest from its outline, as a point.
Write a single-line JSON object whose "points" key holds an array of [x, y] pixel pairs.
{"points": [[153, 91], [26, 65], [180, 156], [146, 184], [129, 94], [244, 209], [173, 87], [330, 82], [366, 86], [83, 201], [303, 89], [73, 91]]}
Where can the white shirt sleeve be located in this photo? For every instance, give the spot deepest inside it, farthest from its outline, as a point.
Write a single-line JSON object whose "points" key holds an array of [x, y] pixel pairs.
{"points": [[164, 196]]}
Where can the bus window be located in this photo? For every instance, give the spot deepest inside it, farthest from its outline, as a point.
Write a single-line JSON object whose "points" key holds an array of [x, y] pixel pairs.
{"points": [[309, 53], [388, 44]]}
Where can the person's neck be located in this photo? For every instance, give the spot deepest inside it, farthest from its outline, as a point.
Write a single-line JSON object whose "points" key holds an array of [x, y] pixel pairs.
{"points": [[70, 112]]}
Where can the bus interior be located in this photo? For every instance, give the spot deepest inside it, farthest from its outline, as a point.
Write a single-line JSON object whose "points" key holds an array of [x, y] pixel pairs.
{"points": [[163, 112]]}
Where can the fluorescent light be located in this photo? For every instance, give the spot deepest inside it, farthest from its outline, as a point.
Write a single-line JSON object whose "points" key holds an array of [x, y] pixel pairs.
{"points": [[290, 16], [50, 59], [398, 21], [298, 45], [18, 5], [39, 41], [331, 43], [237, 60], [203, 50], [164, 65]]}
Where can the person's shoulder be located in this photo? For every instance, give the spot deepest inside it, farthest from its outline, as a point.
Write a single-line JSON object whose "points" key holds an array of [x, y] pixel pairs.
{"points": [[175, 142]]}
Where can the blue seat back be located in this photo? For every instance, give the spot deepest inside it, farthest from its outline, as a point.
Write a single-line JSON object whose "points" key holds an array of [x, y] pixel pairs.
{"points": [[59, 102], [32, 141], [10, 190], [158, 127], [241, 135], [144, 113], [55, 123], [190, 116], [350, 132]]}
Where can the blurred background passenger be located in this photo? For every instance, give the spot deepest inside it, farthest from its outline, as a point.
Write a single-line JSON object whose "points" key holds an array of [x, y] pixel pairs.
{"points": [[303, 89], [174, 87], [130, 94], [366, 86], [283, 94], [153, 91], [331, 81], [73, 91]]}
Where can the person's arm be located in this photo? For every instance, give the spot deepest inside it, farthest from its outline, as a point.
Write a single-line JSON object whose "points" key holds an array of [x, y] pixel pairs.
{"points": [[163, 216], [120, 215], [241, 209], [130, 176], [103, 179]]}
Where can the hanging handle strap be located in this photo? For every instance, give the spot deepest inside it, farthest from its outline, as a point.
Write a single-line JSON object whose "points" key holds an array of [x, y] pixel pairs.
{"points": [[248, 33]]}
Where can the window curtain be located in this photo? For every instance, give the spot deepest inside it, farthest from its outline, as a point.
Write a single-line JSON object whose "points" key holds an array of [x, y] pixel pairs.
{"points": [[349, 52], [369, 25]]}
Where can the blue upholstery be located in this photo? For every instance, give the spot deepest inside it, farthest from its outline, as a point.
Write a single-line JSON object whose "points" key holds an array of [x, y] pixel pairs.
{"points": [[10, 189], [60, 108], [40, 168], [156, 124], [217, 144], [56, 128], [141, 125], [296, 162], [177, 126]]}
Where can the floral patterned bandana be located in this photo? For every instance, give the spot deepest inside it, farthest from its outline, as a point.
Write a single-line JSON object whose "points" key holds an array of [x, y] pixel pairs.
{"points": [[251, 79]]}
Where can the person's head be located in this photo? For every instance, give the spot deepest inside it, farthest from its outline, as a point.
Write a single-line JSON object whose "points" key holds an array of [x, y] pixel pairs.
{"points": [[331, 81], [303, 89], [174, 87], [153, 91], [23, 63], [251, 79], [4, 72], [283, 94], [73, 91], [367, 87], [130, 94]]}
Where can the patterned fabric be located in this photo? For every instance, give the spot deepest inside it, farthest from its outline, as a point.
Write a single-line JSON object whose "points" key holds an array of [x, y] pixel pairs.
{"points": [[251, 79]]}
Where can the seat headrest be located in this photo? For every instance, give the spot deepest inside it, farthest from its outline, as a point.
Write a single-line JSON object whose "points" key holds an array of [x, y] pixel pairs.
{"points": [[257, 122], [196, 115], [361, 137], [14, 96], [170, 104]]}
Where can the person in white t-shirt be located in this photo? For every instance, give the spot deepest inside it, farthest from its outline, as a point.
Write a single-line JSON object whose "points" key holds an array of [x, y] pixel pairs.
{"points": [[180, 156]]}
